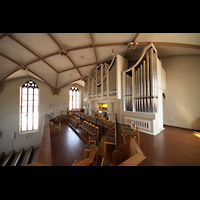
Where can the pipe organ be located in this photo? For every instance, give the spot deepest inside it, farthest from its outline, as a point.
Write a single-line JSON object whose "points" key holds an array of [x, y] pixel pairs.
{"points": [[134, 93], [146, 88], [143, 84], [104, 83]]}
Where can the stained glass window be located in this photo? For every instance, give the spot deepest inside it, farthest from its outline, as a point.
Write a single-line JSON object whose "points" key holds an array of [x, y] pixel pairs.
{"points": [[29, 106]]}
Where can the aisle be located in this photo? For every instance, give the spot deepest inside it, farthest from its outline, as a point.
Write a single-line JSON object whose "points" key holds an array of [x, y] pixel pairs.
{"points": [[66, 146]]}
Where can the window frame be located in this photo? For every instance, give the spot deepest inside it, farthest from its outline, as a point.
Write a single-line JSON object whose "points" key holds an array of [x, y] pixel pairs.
{"points": [[33, 85], [75, 90]]}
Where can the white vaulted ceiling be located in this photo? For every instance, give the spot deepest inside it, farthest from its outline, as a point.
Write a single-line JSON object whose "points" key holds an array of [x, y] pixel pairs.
{"points": [[39, 52]]}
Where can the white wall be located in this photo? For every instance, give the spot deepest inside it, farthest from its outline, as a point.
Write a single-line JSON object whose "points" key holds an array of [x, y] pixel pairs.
{"points": [[182, 106], [9, 112]]}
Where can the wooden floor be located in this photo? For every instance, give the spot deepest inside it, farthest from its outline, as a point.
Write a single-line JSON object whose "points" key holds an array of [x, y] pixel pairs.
{"points": [[66, 146], [172, 147]]}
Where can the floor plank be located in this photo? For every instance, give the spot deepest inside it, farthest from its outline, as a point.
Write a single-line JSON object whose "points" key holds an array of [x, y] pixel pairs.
{"points": [[66, 146], [172, 147]]}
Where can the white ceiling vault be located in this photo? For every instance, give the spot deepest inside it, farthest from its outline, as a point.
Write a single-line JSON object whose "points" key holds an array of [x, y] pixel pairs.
{"points": [[39, 52]]}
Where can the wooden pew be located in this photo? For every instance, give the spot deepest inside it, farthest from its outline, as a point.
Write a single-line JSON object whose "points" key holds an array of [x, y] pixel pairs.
{"points": [[132, 154], [17, 157], [92, 160], [7, 158], [27, 156]]}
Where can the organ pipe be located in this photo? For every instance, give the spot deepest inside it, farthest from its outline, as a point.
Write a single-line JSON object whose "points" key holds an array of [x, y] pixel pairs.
{"points": [[144, 86], [148, 84], [146, 90]]}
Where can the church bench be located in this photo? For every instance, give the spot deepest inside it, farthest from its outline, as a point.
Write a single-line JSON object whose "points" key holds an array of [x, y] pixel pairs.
{"points": [[1, 156], [91, 160], [27, 156], [74, 120], [132, 154], [17, 157], [7, 158]]}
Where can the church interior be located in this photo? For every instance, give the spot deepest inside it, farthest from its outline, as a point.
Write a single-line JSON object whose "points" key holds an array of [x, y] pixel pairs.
{"points": [[99, 99]]}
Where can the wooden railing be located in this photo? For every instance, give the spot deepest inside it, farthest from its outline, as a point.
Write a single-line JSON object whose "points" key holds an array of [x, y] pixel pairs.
{"points": [[44, 153]]}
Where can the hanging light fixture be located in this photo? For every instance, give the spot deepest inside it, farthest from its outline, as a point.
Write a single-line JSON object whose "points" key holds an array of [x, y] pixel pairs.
{"points": [[113, 52], [63, 53], [132, 45]]}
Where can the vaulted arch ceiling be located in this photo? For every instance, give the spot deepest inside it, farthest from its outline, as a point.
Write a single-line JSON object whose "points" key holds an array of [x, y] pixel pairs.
{"points": [[39, 52]]}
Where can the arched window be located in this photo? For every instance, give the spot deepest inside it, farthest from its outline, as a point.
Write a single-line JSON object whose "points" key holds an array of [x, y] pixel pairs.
{"points": [[29, 106], [74, 98]]}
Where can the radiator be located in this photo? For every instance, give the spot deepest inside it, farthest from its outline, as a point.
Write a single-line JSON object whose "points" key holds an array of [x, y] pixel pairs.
{"points": [[141, 123]]}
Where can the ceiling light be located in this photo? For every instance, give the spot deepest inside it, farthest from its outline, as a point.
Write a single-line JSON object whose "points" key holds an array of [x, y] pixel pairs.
{"points": [[63, 53], [22, 67], [113, 52], [132, 45]]}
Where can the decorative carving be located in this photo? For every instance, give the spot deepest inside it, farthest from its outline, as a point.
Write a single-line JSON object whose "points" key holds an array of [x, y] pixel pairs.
{"points": [[55, 91], [22, 67]]}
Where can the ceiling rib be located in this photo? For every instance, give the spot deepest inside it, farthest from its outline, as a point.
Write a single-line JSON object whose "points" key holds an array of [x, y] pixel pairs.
{"points": [[40, 78], [53, 54], [10, 59], [54, 40], [68, 83], [4, 35], [117, 44], [96, 63], [62, 49], [93, 46], [30, 51], [9, 75]]}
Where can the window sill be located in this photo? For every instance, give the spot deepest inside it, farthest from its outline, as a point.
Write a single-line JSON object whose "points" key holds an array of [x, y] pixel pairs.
{"points": [[27, 132]]}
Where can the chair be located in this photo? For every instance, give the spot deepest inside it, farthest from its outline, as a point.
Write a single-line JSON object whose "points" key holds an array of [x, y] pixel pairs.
{"points": [[95, 138], [111, 140], [58, 127], [133, 132]]}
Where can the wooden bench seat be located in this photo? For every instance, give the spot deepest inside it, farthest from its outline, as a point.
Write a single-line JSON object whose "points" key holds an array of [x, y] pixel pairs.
{"points": [[92, 159], [132, 155]]}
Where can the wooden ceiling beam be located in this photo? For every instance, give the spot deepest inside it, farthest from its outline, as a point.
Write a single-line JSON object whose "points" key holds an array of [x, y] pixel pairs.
{"points": [[68, 83], [62, 49], [10, 59], [96, 63], [9, 75], [122, 44], [111, 44], [93, 46], [40, 78], [4, 35], [54, 40], [20, 43]]}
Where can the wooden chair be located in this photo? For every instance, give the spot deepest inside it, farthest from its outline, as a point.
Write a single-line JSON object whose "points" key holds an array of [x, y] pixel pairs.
{"points": [[92, 159], [95, 138], [58, 127], [132, 154], [133, 132], [111, 140]]}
